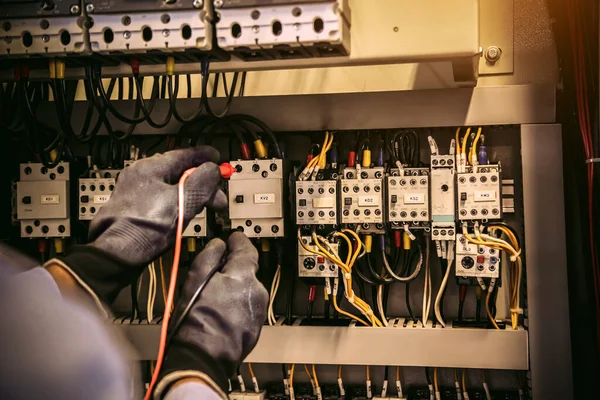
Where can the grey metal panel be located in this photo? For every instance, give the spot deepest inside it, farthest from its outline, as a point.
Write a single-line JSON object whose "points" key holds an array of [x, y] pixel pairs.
{"points": [[500, 105], [546, 262], [418, 346]]}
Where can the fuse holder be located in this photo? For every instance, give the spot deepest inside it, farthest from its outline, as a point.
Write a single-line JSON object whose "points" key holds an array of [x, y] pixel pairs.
{"points": [[226, 170]]}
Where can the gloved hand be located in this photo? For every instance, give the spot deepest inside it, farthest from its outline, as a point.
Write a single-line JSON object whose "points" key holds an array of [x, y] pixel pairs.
{"points": [[224, 323], [138, 223]]}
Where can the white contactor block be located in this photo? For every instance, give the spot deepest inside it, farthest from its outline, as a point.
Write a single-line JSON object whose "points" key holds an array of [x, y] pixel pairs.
{"points": [[408, 196], [311, 265], [362, 196], [479, 193], [316, 202], [93, 194]]}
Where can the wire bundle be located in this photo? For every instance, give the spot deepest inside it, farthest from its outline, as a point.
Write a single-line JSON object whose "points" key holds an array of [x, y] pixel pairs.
{"points": [[354, 250], [319, 162]]}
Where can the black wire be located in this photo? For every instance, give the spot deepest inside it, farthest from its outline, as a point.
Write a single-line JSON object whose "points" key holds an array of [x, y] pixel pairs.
{"points": [[188, 80], [427, 375], [175, 327], [120, 93], [242, 85], [145, 111], [163, 87], [265, 129], [215, 89], [229, 95], [130, 88], [107, 102], [172, 101]]}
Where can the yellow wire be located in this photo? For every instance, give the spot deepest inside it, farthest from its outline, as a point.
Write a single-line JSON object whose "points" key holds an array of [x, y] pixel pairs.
{"points": [[292, 374], [435, 380], [464, 380], [251, 370], [489, 312], [473, 149], [464, 143], [314, 372], [340, 371], [352, 316], [457, 141], [308, 372], [162, 279], [397, 373], [368, 373]]}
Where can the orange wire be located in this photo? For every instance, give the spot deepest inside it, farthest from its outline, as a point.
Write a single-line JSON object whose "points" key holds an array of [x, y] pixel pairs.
{"points": [[172, 283]]}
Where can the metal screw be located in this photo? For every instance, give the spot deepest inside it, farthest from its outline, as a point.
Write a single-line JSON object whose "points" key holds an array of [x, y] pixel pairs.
{"points": [[297, 27], [74, 9], [166, 32], [126, 20], [255, 14], [492, 54], [45, 38], [198, 3], [218, 3], [127, 34], [255, 29], [8, 40], [89, 8]]}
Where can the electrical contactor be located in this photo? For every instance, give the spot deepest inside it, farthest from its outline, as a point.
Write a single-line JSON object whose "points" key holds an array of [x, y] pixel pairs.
{"points": [[443, 204], [311, 265], [473, 260], [256, 197], [479, 194], [43, 201], [197, 226], [362, 197], [316, 202], [93, 194], [408, 197]]}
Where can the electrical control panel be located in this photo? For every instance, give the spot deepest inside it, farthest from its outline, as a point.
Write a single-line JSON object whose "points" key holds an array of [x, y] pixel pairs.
{"points": [[289, 29], [47, 27], [256, 197], [362, 197], [443, 203], [316, 202], [93, 194], [312, 265], [479, 194], [43, 201], [152, 25], [408, 197], [474, 260], [197, 226]]}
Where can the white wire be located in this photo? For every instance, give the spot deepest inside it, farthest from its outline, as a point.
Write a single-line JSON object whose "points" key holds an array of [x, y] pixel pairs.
{"points": [[400, 278], [380, 305], [274, 289], [438, 299], [151, 291], [426, 287]]}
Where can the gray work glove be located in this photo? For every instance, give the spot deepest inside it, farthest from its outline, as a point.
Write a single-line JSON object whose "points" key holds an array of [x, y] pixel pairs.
{"points": [[138, 223], [224, 323]]}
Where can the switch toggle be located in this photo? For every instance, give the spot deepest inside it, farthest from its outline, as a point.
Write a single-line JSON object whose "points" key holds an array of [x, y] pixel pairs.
{"points": [[320, 259], [85, 199], [239, 198], [394, 199], [26, 200], [348, 201], [302, 202], [480, 259], [463, 196]]}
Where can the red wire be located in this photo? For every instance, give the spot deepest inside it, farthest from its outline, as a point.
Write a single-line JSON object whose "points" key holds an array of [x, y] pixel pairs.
{"points": [[172, 283]]}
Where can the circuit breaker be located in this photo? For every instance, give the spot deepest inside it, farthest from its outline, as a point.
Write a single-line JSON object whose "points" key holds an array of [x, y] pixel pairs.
{"points": [[316, 202], [93, 194], [256, 197], [477, 261], [408, 197], [442, 197], [306, 29], [362, 197], [197, 226], [479, 194], [312, 265], [43, 201]]}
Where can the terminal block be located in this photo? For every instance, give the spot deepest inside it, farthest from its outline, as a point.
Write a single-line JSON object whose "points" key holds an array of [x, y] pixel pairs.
{"points": [[476, 261], [93, 194], [479, 193], [43, 201], [283, 29], [316, 202], [408, 197], [362, 197], [197, 226], [256, 197], [442, 197], [41, 28], [311, 265]]}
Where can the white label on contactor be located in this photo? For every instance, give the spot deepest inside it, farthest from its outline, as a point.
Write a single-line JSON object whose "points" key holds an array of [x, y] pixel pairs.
{"points": [[101, 198], [485, 196], [50, 199], [264, 198], [368, 201], [414, 198]]}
